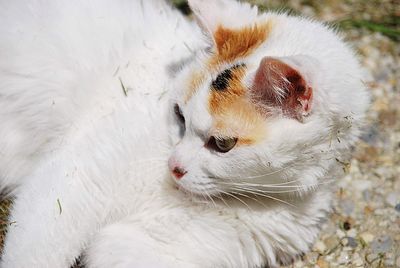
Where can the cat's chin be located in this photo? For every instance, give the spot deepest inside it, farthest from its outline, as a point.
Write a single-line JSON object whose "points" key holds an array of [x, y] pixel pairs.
{"points": [[193, 196], [198, 196]]}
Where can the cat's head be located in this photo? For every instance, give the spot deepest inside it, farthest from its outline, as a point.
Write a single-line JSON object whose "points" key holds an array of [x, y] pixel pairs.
{"points": [[259, 110]]}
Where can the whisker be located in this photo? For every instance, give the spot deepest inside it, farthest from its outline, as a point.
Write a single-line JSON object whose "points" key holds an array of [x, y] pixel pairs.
{"points": [[270, 192], [271, 197], [287, 182], [237, 198], [252, 198], [266, 174], [256, 184], [286, 167], [222, 199], [273, 185], [210, 197], [204, 197]]}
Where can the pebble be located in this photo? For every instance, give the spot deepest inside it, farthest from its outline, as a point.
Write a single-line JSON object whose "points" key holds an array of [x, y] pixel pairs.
{"points": [[397, 237], [356, 260], [320, 246], [346, 249], [379, 212], [312, 257], [390, 260], [347, 206], [366, 195], [367, 237], [384, 224], [398, 262], [397, 207], [331, 242], [340, 233], [299, 264], [343, 258], [361, 185], [371, 257], [345, 241], [392, 199], [323, 264], [351, 242], [352, 232], [381, 244]]}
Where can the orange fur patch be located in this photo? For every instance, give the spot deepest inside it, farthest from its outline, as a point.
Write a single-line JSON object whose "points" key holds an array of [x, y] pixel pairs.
{"points": [[234, 44], [240, 120], [231, 45], [194, 83]]}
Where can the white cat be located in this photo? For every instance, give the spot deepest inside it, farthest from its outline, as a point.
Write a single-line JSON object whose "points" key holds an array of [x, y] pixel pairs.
{"points": [[262, 109]]}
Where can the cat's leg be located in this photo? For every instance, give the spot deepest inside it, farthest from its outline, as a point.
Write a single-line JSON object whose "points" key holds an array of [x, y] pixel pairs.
{"points": [[55, 214], [126, 245], [170, 239], [176, 233]]}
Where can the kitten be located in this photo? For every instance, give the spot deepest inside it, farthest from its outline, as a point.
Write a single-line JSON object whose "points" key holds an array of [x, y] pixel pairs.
{"points": [[261, 111]]}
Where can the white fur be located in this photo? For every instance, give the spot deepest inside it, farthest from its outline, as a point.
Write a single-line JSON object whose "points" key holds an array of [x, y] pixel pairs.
{"points": [[90, 162]]}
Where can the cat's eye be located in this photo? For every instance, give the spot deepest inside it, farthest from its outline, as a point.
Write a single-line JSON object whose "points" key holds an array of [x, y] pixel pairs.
{"points": [[178, 113], [221, 145]]}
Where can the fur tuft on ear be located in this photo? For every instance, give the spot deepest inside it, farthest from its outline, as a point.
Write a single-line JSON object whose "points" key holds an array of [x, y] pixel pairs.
{"points": [[281, 83], [211, 14]]}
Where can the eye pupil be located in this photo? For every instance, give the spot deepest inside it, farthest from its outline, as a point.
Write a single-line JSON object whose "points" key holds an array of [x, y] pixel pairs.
{"points": [[221, 145], [179, 114]]}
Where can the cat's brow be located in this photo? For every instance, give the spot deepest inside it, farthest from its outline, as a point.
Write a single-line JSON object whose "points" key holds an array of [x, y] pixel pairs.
{"points": [[223, 79], [233, 115]]}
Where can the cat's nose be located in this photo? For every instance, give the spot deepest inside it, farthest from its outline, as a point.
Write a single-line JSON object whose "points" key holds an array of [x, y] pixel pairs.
{"points": [[178, 172]]}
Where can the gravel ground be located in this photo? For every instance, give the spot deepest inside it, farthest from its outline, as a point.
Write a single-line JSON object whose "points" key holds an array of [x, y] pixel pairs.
{"points": [[364, 228]]}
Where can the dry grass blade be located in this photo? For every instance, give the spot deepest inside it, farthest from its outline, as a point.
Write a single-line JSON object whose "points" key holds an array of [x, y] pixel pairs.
{"points": [[123, 87]]}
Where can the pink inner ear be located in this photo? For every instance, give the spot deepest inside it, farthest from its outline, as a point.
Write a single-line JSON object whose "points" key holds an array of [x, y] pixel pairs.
{"points": [[277, 84]]}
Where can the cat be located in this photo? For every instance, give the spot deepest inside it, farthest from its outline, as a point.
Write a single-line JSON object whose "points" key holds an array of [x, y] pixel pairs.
{"points": [[140, 139]]}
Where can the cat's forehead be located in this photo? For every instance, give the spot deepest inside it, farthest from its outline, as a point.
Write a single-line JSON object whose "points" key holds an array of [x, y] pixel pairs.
{"points": [[226, 93], [230, 46], [223, 108]]}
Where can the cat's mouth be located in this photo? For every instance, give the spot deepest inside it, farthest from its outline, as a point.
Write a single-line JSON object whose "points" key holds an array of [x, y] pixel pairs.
{"points": [[195, 196]]}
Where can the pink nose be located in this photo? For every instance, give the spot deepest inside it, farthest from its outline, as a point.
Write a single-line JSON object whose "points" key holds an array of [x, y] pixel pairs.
{"points": [[175, 168], [178, 172]]}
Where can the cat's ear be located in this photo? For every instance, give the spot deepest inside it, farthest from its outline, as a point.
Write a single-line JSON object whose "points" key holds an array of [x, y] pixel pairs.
{"points": [[230, 14], [285, 83]]}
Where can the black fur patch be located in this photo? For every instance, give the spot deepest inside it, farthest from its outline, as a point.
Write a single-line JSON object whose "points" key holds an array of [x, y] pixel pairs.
{"points": [[222, 80]]}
